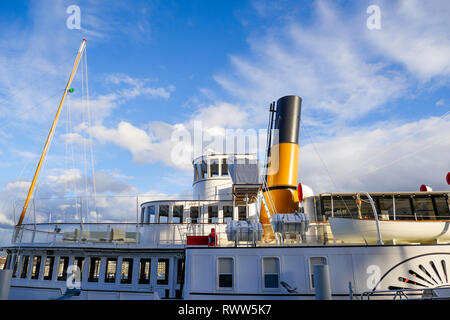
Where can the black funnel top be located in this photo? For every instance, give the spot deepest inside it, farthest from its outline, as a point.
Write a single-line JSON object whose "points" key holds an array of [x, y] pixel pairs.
{"points": [[288, 118]]}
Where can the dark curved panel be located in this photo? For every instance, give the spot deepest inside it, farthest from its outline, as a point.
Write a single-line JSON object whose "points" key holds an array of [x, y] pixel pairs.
{"points": [[287, 120]]}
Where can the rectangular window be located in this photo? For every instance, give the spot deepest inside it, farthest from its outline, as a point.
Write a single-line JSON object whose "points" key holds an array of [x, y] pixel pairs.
{"points": [[16, 265], [225, 272], [366, 207], [151, 214], [163, 213], [143, 220], [442, 207], [6, 262], [35, 267], [213, 214], [342, 206], [163, 271], [111, 269], [196, 174], [403, 209], [386, 208], [180, 270], [424, 208], [177, 216], [127, 270], [79, 262], [227, 213], [204, 170], [94, 269], [312, 262], [271, 272], [224, 167], [242, 210], [48, 268], [214, 168], [144, 271], [25, 262], [194, 214], [62, 268]]}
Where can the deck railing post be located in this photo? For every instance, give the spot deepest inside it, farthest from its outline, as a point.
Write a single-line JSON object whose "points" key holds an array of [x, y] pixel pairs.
{"points": [[393, 206]]}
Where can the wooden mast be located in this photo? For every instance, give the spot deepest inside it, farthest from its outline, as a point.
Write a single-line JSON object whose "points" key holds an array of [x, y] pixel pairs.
{"points": [[47, 143]]}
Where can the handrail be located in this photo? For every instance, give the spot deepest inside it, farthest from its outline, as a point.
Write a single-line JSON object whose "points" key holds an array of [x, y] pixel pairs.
{"points": [[397, 293], [380, 241]]}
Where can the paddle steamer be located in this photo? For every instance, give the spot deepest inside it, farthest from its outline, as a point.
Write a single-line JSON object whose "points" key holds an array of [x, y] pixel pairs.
{"points": [[246, 233]]}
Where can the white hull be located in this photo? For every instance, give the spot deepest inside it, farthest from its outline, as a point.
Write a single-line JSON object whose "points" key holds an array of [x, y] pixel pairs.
{"points": [[363, 268]]}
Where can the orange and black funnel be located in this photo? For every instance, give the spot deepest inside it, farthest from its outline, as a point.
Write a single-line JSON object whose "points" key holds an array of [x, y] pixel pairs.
{"points": [[281, 192]]}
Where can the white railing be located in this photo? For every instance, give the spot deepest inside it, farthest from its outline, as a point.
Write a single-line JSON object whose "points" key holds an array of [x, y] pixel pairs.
{"points": [[111, 234], [148, 235]]}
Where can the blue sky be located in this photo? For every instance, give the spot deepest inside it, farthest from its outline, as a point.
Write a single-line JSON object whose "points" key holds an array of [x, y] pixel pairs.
{"points": [[375, 102]]}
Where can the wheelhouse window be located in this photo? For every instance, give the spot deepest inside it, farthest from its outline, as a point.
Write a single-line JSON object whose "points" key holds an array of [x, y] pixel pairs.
{"points": [[35, 267], [48, 268], [271, 272], [312, 262], [111, 270], [62, 268], [196, 173], [163, 213], [126, 273], [163, 271], [79, 262], [144, 271], [227, 213], [16, 266], [180, 270], [204, 170], [225, 272], [143, 216], [213, 214], [25, 262], [94, 269], [224, 167], [194, 214], [177, 216], [214, 168], [242, 211], [151, 214]]}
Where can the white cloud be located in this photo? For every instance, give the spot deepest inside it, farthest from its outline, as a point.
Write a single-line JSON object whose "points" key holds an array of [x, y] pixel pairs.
{"points": [[18, 186], [71, 176], [224, 115], [138, 87], [440, 102], [63, 194], [386, 157], [326, 64], [159, 142], [415, 34], [75, 138], [4, 220], [129, 137]]}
